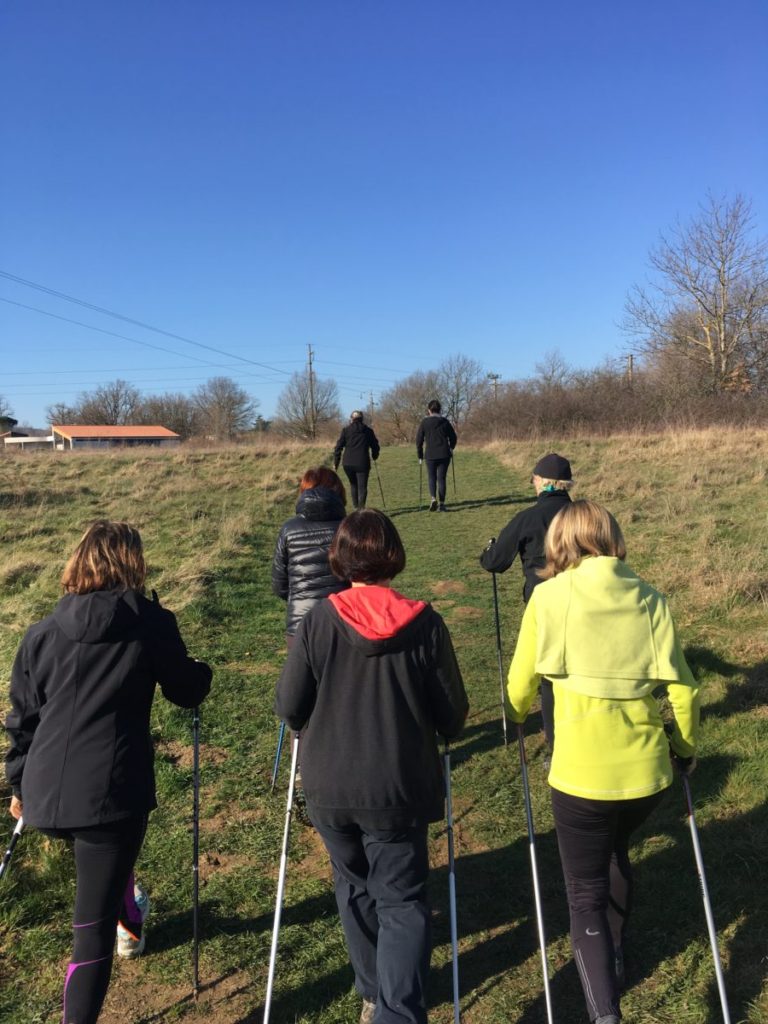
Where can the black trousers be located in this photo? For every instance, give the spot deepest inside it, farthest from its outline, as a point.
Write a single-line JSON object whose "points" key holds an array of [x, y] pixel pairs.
{"points": [[104, 859], [358, 485], [437, 470], [593, 837], [380, 880]]}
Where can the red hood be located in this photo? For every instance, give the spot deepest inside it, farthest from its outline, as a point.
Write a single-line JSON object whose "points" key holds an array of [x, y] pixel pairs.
{"points": [[376, 613]]}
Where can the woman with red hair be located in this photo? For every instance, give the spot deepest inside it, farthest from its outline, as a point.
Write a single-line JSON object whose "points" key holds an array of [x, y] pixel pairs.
{"points": [[301, 575]]}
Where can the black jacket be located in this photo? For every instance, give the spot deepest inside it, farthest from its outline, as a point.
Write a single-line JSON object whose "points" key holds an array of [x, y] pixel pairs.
{"points": [[81, 692], [369, 705], [355, 440], [438, 435], [524, 536], [301, 574]]}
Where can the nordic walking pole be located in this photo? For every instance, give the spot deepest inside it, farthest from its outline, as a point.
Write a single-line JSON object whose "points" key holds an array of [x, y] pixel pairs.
{"points": [[498, 649], [381, 489], [11, 846], [452, 886], [281, 879], [534, 871], [705, 896], [453, 470], [421, 473], [196, 852], [278, 752]]}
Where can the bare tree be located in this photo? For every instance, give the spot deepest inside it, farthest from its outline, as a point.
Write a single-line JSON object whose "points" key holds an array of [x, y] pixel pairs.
{"points": [[177, 412], [709, 299], [116, 403], [224, 408], [295, 406], [402, 407], [62, 414], [7, 420], [461, 383], [552, 371]]}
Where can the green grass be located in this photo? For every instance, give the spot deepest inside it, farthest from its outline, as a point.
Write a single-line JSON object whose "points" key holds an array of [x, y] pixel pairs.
{"points": [[694, 527]]}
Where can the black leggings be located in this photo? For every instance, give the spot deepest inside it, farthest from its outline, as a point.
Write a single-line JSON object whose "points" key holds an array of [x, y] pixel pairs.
{"points": [[358, 485], [437, 470], [593, 837], [104, 859]]}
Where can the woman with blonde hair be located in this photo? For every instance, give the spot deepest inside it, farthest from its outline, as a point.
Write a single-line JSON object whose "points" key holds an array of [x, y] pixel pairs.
{"points": [[606, 639], [81, 762]]}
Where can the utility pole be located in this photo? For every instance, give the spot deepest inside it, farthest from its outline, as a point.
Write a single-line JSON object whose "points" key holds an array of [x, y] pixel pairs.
{"points": [[630, 370], [311, 377], [494, 378], [371, 404]]}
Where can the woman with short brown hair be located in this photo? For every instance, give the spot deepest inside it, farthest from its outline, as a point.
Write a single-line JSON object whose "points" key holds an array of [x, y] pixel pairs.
{"points": [[371, 678], [80, 763]]}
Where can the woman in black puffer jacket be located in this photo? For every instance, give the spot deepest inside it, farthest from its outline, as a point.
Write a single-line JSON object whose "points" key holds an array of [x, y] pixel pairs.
{"points": [[301, 574]]}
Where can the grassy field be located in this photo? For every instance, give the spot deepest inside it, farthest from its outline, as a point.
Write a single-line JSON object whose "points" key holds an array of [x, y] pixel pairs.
{"points": [[694, 513]]}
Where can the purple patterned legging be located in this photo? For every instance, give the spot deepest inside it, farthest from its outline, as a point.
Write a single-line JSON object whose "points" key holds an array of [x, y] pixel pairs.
{"points": [[104, 859]]}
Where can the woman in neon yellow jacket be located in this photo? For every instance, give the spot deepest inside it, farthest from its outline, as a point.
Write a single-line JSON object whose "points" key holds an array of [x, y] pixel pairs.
{"points": [[606, 639]]}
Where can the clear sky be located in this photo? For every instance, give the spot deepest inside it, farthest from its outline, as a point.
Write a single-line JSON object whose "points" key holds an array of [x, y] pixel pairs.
{"points": [[392, 182]]}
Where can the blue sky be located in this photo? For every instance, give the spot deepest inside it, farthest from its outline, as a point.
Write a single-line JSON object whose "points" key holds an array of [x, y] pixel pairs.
{"points": [[390, 182]]}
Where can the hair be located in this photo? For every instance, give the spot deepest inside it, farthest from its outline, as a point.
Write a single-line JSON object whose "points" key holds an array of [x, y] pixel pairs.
{"points": [[559, 485], [434, 406], [580, 529], [357, 415], [109, 556], [367, 548], [322, 476]]}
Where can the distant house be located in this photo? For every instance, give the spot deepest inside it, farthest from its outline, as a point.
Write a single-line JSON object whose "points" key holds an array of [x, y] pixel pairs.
{"points": [[65, 437]]}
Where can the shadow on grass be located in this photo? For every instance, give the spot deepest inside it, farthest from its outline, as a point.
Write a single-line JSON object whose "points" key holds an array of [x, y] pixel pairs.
{"points": [[750, 692], [455, 506]]}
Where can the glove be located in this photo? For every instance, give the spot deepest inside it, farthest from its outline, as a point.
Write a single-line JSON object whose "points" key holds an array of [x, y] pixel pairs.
{"points": [[682, 765], [335, 466]]}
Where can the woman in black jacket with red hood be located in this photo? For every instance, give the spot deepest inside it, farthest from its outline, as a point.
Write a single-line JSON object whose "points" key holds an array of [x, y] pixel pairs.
{"points": [[81, 760], [371, 678]]}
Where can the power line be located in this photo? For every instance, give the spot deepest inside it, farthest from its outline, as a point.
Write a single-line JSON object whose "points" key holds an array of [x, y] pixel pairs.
{"points": [[136, 341], [125, 319]]}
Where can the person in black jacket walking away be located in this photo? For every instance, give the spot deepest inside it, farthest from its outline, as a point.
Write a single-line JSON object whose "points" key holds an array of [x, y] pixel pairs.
{"points": [[81, 762], [436, 434], [524, 536], [301, 575], [356, 441], [370, 680]]}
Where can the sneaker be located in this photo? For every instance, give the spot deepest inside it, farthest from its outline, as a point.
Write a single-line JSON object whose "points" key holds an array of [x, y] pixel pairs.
{"points": [[128, 946], [442, 507], [433, 505], [367, 1012]]}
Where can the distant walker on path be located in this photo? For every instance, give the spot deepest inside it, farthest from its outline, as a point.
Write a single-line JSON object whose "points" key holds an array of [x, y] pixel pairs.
{"points": [[438, 438], [359, 444]]}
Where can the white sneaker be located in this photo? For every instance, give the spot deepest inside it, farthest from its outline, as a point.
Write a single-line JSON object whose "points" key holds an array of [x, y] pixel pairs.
{"points": [[128, 946]]}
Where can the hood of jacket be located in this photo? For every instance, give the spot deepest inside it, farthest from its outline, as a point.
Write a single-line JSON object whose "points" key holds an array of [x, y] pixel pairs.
{"points": [[99, 617], [601, 620], [320, 503], [376, 615]]}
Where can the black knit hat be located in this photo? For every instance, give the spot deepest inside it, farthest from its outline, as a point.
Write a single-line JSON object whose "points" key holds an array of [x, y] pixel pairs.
{"points": [[553, 467]]}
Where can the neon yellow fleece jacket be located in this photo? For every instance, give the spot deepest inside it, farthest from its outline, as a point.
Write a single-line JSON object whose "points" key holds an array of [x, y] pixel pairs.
{"points": [[606, 640]]}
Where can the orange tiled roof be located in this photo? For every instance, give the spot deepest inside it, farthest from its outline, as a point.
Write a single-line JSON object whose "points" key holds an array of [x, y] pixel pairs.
{"points": [[113, 432]]}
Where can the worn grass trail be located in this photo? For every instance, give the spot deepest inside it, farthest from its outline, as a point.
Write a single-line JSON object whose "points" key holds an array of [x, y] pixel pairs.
{"points": [[209, 521]]}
